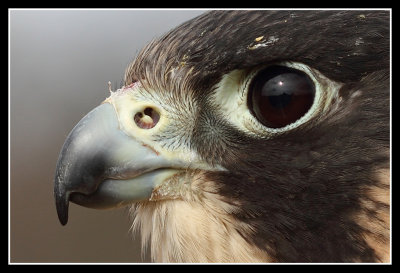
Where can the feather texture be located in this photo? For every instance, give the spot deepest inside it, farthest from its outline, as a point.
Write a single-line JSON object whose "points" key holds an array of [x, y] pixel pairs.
{"points": [[319, 193]]}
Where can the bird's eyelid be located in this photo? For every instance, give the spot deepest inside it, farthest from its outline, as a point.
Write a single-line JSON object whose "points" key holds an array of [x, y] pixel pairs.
{"points": [[231, 96]]}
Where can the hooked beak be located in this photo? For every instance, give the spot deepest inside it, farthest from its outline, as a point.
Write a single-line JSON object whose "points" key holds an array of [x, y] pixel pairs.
{"points": [[101, 167]]}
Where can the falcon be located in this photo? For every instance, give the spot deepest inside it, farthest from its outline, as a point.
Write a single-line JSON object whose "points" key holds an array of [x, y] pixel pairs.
{"points": [[246, 136]]}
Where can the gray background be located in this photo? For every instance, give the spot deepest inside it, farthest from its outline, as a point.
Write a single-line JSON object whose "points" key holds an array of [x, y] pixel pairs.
{"points": [[60, 63]]}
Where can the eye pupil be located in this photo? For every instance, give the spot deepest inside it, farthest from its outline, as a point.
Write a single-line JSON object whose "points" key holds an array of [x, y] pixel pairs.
{"points": [[278, 96], [279, 101]]}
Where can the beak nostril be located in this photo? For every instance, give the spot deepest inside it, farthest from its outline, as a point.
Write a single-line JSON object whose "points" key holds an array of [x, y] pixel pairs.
{"points": [[147, 119], [148, 111]]}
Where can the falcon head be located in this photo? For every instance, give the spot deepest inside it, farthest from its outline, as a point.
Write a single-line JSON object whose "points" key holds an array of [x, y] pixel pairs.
{"points": [[246, 136]]}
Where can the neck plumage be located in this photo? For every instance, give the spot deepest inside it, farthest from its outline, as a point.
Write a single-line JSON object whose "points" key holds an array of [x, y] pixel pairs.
{"points": [[185, 231]]}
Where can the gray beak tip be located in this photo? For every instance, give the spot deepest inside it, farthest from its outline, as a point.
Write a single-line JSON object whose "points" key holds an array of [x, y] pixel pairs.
{"points": [[62, 211], [61, 205]]}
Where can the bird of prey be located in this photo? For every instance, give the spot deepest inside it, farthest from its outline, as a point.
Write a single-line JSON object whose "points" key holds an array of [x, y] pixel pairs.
{"points": [[246, 136]]}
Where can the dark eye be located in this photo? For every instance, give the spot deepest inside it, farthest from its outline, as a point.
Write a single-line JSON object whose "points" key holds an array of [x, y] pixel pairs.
{"points": [[279, 96]]}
